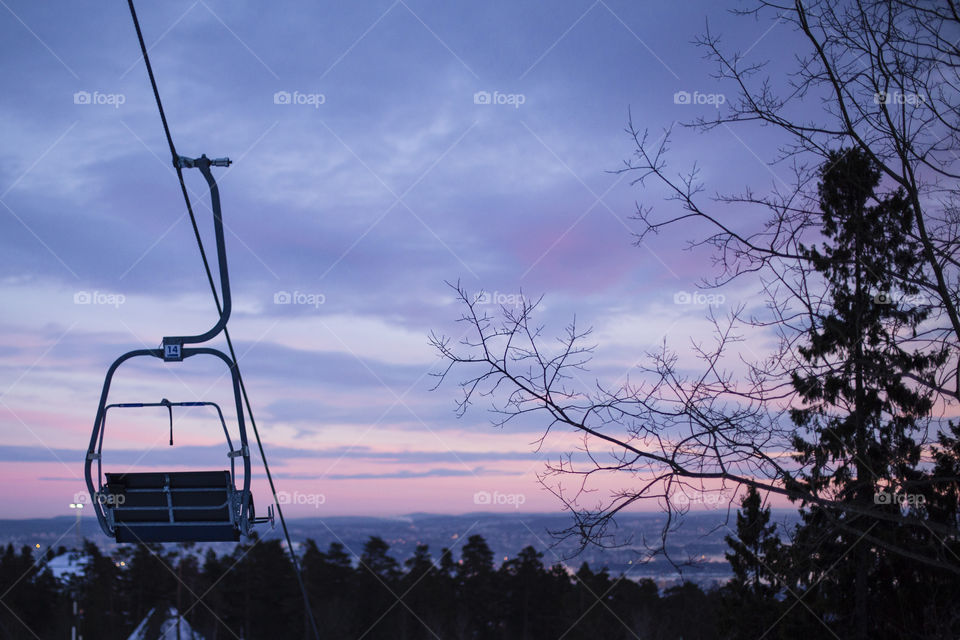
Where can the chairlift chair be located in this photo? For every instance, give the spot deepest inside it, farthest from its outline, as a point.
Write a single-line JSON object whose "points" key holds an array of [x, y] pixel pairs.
{"points": [[178, 506]]}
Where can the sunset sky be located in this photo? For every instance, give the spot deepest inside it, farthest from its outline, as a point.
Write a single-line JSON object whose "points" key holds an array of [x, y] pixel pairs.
{"points": [[381, 149]]}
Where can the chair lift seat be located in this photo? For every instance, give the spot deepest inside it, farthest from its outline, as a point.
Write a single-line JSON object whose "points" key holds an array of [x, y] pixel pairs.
{"points": [[173, 506]]}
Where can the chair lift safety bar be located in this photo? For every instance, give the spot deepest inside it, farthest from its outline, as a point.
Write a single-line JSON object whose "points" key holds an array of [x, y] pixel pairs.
{"points": [[177, 506]]}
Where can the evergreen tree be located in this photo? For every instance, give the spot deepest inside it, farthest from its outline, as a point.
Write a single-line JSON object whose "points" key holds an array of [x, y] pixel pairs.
{"points": [[377, 578], [376, 560], [218, 614], [150, 580], [274, 606], [524, 583], [102, 599], [686, 612], [859, 414], [592, 617], [330, 581], [448, 566], [479, 613], [754, 549], [427, 595], [748, 606], [31, 604]]}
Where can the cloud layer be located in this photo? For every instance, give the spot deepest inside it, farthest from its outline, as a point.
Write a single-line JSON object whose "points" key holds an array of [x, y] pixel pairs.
{"points": [[381, 150]]}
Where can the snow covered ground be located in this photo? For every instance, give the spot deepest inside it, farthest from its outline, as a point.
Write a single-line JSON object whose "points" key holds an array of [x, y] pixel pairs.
{"points": [[66, 565], [164, 625]]}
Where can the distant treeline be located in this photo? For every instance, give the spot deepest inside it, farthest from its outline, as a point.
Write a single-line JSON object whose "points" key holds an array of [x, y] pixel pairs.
{"points": [[252, 593], [778, 590]]}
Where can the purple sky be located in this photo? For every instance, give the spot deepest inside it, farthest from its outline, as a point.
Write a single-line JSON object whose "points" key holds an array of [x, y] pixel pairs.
{"points": [[379, 179]]}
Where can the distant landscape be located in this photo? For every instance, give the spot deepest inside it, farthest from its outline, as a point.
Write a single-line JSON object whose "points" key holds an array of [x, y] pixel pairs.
{"points": [[697, 544]]}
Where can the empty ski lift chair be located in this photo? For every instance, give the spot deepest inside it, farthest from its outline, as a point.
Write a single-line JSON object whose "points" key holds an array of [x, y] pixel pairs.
{"points": [[178, 506]]}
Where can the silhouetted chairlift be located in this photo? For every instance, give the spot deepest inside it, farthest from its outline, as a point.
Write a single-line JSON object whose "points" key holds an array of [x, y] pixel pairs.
{"points": [[178, 506]]}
